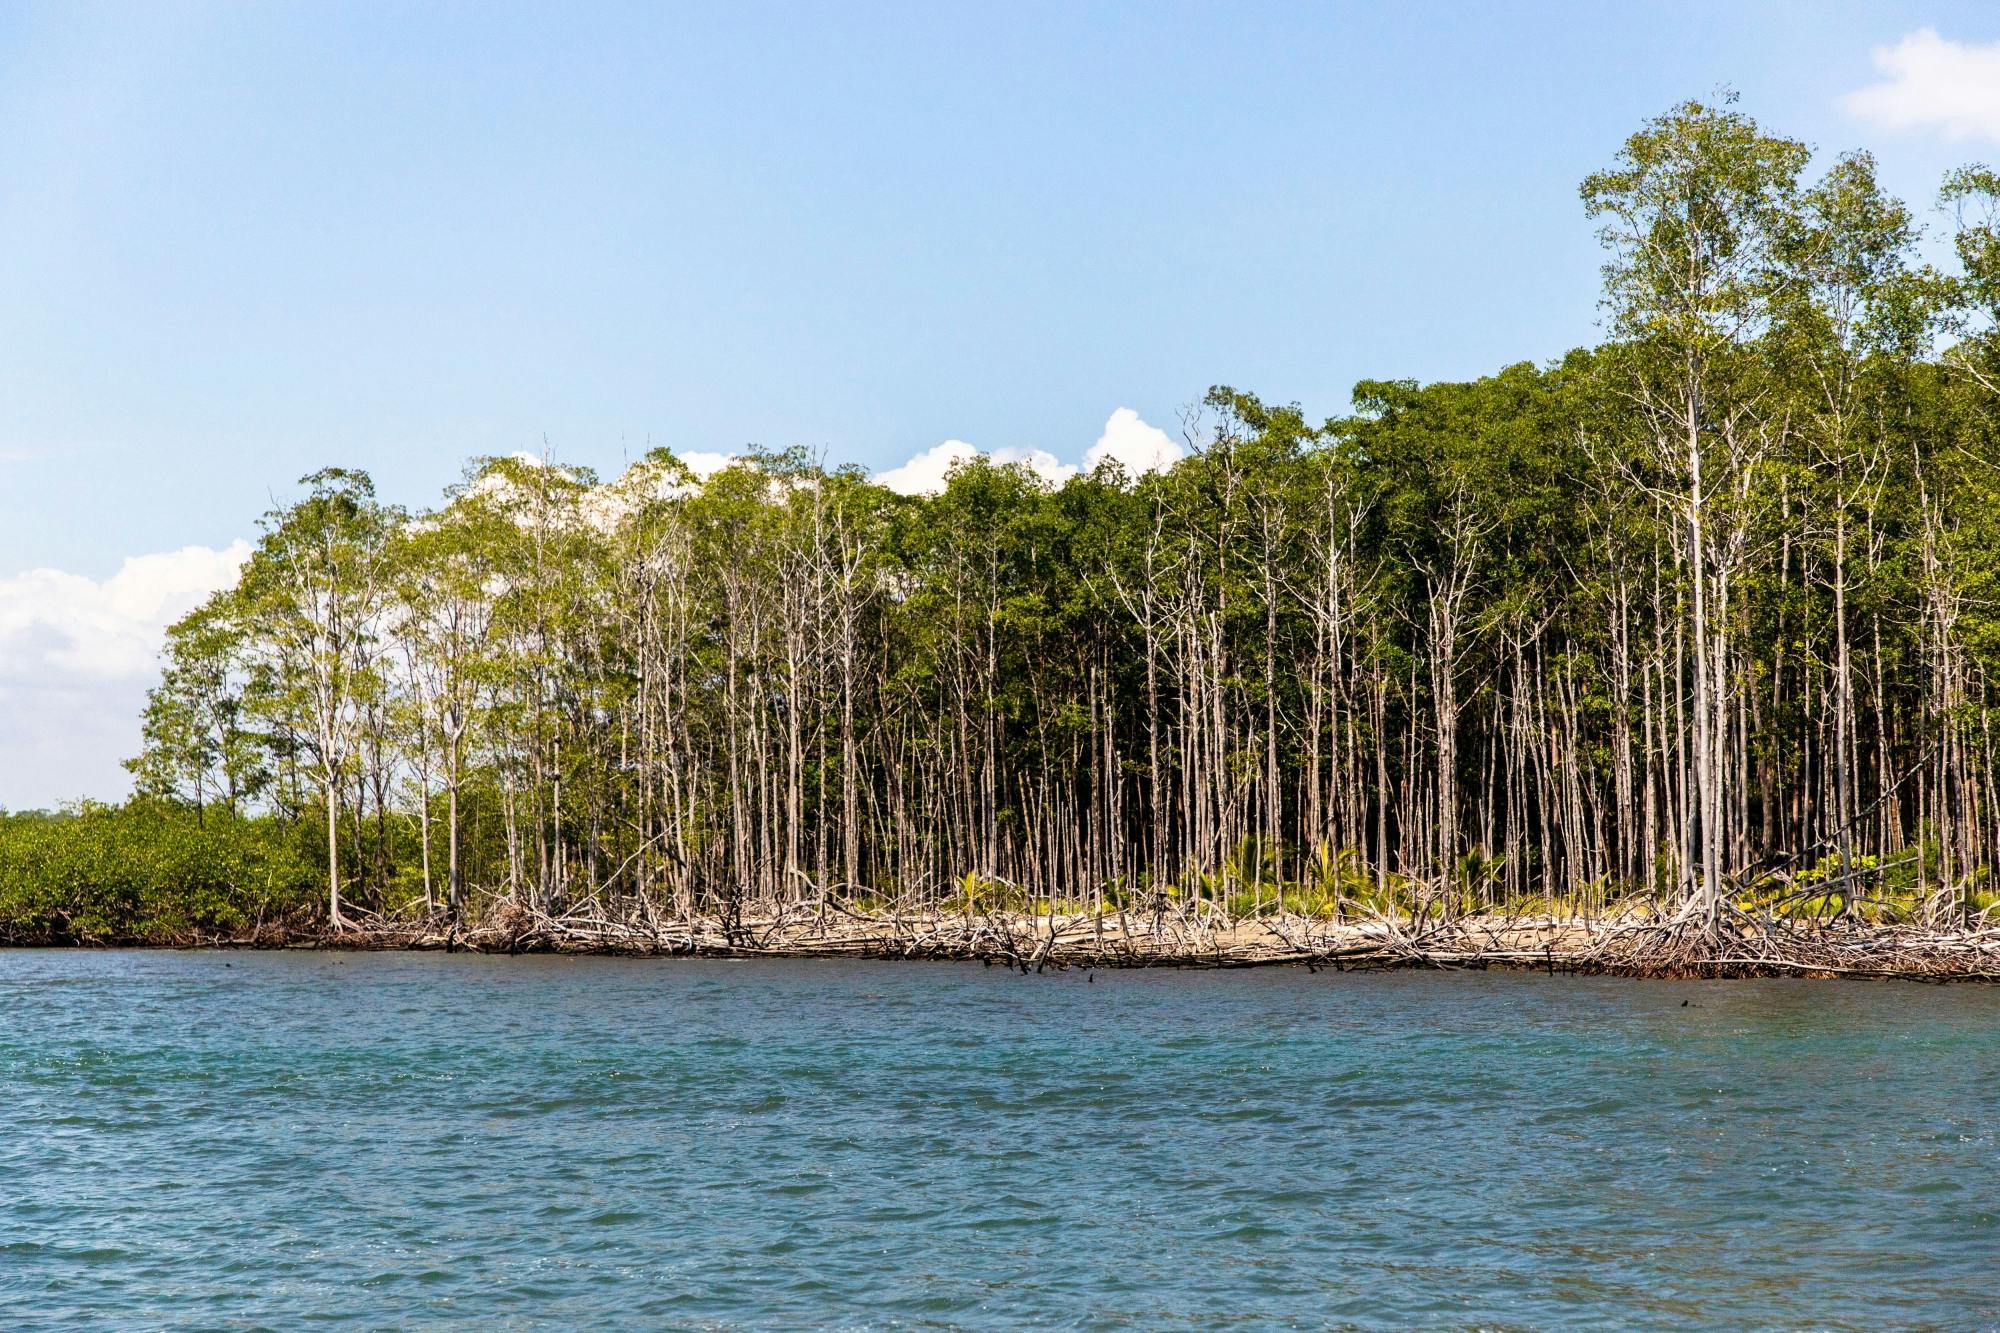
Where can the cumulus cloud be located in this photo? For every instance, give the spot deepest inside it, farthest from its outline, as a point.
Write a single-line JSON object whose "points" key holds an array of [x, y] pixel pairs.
{"points": [[76, 658], [610, 504], [1936, 84], [705, 464], [1040, 462], [1136, 446], [926, 473]]}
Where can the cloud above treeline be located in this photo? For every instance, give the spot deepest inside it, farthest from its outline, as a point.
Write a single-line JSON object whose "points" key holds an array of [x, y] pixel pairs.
{"points": [[1127, 439], [77, 654], [925, 474], [1936, 84], [76, 658]]}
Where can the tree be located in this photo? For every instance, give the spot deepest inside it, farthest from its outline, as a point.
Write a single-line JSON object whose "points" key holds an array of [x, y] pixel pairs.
{"points": [[313, 596], [196, 746], [1696, 212]]}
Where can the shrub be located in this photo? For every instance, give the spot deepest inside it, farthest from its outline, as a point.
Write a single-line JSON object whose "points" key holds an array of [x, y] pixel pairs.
{"points": [[145, 871]]}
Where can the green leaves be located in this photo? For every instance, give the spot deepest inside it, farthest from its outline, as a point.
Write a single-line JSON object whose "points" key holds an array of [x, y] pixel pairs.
{"points": [[148, 871], [1695, 213]]}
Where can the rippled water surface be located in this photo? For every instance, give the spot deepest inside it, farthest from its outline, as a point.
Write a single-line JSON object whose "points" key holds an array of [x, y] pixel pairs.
{"points": [[259, 1139]]}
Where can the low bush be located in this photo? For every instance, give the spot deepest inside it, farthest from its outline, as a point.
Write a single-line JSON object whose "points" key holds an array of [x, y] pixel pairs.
{"points": [[146, 872]]}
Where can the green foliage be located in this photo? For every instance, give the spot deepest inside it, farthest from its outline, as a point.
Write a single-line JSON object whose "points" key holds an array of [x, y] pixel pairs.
{"points": [[147, 871]]}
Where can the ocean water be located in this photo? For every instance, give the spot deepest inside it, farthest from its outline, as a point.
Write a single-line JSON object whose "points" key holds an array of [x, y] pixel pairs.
{"points": [[242, 1140]]}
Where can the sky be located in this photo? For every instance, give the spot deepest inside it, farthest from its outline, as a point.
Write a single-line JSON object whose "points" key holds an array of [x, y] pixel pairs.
{"points": [[240, 242]]}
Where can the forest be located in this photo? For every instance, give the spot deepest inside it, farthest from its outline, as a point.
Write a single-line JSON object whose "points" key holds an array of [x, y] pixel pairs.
{"points": [[1701, 623]]}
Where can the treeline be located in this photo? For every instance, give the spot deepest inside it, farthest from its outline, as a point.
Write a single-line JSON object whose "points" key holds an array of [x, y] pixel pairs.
{"points": [[1708, 611]]}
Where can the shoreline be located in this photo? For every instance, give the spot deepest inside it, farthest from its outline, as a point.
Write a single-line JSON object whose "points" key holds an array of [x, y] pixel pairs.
{"points": [[1628, 946]]}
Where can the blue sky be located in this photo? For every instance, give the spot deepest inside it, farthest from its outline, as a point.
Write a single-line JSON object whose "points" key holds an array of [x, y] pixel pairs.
{"points": [[243, 241]]}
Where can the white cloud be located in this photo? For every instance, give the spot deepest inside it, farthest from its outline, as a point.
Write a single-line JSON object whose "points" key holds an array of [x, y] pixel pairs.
{"points": [[76, 658], [925, 474], [1935, 84], [1040, 462], [1136, 446], [705, 464], [610, 504]]}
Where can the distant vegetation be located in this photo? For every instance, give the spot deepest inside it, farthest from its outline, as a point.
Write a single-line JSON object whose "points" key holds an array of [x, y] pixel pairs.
{"points": [[1706, 616], [151, 871]]}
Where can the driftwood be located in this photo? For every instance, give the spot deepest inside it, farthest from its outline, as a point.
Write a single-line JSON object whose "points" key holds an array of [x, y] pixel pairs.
{"points": [[1200, 935]]}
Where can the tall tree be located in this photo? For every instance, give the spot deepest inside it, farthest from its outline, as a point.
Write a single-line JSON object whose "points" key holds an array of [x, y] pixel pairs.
{"points": [[313, 594]]}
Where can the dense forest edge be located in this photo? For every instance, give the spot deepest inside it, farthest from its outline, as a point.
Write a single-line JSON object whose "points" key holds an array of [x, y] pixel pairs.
{"points": [[1674, 656]]}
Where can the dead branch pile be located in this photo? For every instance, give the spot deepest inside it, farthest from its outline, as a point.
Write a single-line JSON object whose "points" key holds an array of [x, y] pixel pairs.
{"points": [[1201, 935]]}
